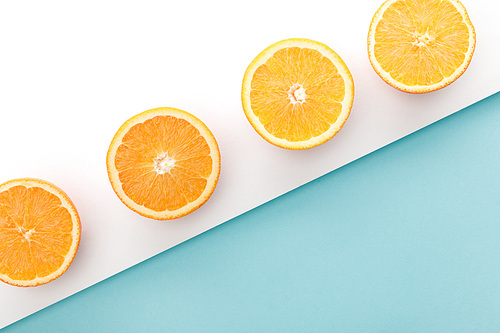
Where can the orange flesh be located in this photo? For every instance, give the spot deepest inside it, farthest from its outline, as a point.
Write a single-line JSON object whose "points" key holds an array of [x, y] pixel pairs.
{"points": [[35, 233], [297, 117], [160, 139], [421, 42]]}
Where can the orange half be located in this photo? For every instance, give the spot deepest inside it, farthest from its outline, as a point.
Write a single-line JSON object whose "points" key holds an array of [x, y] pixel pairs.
{"points": [[421, 46], [297, 93], [163, 163], [39, 232]]}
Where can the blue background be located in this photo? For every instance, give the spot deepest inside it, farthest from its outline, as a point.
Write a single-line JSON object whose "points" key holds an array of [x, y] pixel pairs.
{"points": [[406, 239]]}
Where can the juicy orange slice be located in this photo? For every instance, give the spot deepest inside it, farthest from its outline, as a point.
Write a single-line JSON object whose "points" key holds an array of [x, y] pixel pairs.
{"points": [[163, 163], [420, 46], [39, 232], [297, 93]]}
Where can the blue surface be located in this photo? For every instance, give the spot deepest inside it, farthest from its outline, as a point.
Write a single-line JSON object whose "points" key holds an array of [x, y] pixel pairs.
{"points": [[406, 239]]}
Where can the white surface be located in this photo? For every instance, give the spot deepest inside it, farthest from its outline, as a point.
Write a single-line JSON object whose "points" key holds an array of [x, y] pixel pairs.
{"points": [[72, 72]]}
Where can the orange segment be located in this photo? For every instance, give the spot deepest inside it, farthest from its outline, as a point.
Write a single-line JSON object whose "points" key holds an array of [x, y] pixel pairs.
{"points": [[16, 260], [420, 46], [163, 163], [39, 232], [44, 260], [58, 243], [297, 93]]}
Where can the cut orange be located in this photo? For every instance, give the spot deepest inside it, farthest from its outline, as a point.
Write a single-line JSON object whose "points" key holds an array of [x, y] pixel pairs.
{"points": [[163, 163], [297, 93], [421, 46], [39, 232]]}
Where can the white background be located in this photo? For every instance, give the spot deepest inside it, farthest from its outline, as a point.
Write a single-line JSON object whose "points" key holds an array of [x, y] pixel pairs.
{"points": [[71, 72]]}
